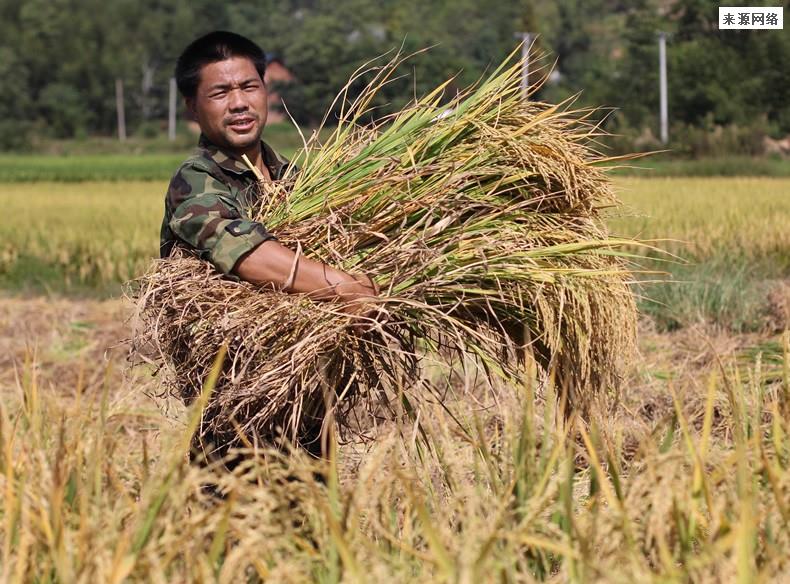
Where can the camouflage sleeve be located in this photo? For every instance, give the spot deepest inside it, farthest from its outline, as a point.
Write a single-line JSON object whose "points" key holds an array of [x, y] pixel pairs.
{"points": [[205, 215]]}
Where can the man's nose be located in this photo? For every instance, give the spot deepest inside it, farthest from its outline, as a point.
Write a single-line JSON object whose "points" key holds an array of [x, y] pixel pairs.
{"points": [[237, 100]]}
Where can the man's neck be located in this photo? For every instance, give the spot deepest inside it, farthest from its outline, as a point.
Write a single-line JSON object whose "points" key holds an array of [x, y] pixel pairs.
{"points": [[254, 153]]}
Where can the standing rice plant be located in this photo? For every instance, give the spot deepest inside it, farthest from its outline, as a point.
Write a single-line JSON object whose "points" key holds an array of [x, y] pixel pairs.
{"points": [[480, 218], [96, 489]]}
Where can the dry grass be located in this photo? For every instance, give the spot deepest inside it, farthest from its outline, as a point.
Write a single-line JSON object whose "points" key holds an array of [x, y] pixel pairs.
{"points": [[690, 481]]}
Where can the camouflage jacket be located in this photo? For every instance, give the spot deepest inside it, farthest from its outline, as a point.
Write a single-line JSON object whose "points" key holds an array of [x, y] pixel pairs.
{"points": [[207, 206]]}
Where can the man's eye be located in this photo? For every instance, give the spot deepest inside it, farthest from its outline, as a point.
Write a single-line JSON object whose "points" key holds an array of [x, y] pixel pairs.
{"points": [[217, 94], [251, 87]]}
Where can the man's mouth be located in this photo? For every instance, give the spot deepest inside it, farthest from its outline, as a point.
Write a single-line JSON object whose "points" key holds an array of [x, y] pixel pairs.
{"points": [[242, 124]]}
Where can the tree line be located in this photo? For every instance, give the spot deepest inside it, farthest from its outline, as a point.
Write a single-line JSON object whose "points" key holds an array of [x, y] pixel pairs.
{"points": [[59, 59]]}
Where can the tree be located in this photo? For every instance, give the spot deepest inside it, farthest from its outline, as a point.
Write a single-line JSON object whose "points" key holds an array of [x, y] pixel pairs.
{"points": [[59, 59]]}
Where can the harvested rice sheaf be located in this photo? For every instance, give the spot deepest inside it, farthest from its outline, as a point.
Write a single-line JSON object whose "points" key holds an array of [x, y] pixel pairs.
{"points": [[481, 221]]}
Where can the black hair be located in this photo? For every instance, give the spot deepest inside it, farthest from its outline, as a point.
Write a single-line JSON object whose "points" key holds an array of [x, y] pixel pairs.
{"points": [[215, 46]]}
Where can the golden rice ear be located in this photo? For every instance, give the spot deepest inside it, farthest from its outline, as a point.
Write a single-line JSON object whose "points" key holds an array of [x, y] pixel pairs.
{"points": [[477, 223]]}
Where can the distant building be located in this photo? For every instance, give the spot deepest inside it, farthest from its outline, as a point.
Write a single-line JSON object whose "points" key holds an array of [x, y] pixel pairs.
{"points": [[276, 72]]}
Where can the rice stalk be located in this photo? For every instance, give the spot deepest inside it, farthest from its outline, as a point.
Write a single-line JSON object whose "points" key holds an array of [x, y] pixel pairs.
{"points": [[480, 218]]}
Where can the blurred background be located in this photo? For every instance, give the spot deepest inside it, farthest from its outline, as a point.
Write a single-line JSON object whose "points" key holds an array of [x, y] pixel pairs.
{"points": [[67, 66]]}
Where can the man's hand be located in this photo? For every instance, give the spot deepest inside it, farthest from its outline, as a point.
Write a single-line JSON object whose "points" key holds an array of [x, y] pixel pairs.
{"points": [[357, 287], [361, 301]]}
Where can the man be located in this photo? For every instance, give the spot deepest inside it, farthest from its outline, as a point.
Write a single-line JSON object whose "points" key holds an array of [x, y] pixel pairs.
{"points": [[220, 77]]}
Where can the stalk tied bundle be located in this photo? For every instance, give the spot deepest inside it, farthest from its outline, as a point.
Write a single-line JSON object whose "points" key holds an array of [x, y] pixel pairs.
{"points": [[480, 219]]}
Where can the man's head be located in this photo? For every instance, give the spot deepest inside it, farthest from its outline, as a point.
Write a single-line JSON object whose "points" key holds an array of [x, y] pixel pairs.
{"points": [[220, 76]]}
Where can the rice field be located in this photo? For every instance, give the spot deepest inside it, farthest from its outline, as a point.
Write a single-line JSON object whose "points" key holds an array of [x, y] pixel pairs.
{"points": [[78, 236], [63, 225], [699, 218], [688, 480], [731, 239], [733, 234]]}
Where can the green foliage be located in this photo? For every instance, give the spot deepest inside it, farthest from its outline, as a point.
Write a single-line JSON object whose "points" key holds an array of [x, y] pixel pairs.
{"points": [[64, 110], [108, 167], [14, 101], [709, 139], [64, 57], [59, 60], [729, 291], [144, 159], [716, 79], [465, 39]]}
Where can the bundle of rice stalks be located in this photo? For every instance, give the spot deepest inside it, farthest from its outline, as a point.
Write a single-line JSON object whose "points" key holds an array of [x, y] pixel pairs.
{"points": [[480, 220]]}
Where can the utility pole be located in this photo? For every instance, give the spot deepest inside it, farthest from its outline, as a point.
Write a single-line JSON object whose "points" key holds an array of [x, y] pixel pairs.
{"points": [[120, 110], [662, 76], [171, 117], [526, 43]]}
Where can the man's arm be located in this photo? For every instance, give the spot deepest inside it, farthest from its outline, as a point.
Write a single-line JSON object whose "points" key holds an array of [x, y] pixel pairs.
{"points": [[271, 262], [205, 216]]}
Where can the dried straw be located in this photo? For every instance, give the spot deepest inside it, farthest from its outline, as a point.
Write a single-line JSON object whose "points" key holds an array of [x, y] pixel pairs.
{"points": [[479, 218]]}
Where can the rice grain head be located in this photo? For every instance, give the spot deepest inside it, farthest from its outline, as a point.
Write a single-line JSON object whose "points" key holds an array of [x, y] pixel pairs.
{"points": [[483, 228]]}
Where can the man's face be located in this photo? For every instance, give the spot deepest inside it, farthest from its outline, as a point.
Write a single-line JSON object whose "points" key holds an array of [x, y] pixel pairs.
{"points": [[230, 104]]}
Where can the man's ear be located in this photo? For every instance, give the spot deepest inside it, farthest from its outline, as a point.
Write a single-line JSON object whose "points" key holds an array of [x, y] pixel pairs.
{"points": [[189, 102]]}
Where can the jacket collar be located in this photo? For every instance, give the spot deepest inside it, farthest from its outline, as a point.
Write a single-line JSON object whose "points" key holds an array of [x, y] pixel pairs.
{"points": [[276, 164]]}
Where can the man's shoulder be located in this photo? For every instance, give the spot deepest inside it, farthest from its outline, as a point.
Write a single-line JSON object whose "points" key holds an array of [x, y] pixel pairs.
{"points": [[208, 169], [196, 175], [198, 164]]}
